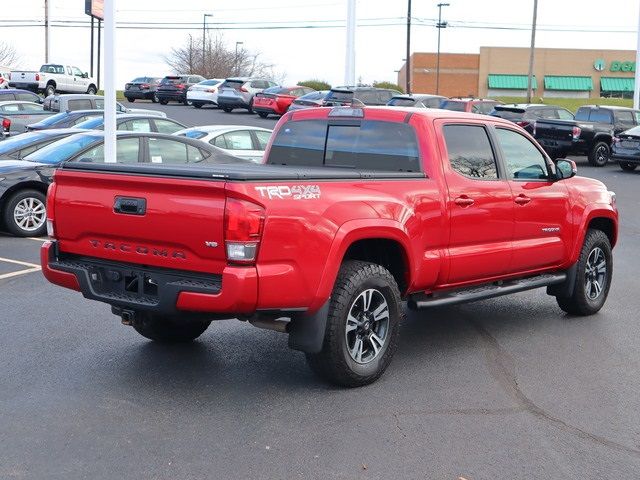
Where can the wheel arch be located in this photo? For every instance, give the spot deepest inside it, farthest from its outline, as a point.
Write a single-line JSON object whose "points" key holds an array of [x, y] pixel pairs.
{"points": [[30, 185], [600, 217], [384, 242]]}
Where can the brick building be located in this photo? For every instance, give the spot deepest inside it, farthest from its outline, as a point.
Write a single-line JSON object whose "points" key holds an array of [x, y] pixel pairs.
{"points": [[502, 71]]}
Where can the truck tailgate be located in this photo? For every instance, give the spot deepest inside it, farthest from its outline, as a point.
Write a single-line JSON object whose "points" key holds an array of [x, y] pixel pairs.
{"points": [[154, 221], [554, 129]]}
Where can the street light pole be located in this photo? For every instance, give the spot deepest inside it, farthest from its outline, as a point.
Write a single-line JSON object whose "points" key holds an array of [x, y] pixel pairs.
{"points": [[408, 64], [236, 59], [440, 25], [204, 39]]}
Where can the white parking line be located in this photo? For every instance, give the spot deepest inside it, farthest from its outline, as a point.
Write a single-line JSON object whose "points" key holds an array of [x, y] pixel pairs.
{"points": [[18, 262], [37, 239], [19, 272]]}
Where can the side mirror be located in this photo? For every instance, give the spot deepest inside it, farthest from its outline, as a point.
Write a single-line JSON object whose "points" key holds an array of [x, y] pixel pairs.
{"points": [[565, 169]]}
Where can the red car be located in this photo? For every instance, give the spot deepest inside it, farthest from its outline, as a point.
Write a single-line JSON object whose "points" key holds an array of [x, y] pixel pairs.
{"points": [[276, 100], [354, 210], [472, 105]]}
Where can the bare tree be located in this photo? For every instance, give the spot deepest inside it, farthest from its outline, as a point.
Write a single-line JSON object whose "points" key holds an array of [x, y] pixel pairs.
{"points": [[219, 61], [8, 55]]}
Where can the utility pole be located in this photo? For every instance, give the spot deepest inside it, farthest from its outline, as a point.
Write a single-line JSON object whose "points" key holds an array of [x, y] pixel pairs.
{"points": [[350, 58], [204, 40], [636, 88], [440, 25], [532, 51], [408, 56], [46, 31], [91, 63]]}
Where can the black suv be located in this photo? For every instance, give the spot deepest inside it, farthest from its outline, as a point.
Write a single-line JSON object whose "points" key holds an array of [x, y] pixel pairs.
{"points": [[526, 114], [142, 88], [174, 88], [367, 95]]}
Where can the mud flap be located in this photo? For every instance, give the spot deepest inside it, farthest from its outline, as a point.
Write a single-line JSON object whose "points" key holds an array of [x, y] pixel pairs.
{"points": [[565, 289], [306, 332]]}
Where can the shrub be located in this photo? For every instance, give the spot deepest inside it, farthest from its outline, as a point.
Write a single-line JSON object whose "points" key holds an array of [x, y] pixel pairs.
{"points": [[391, 85], [315, 84]]}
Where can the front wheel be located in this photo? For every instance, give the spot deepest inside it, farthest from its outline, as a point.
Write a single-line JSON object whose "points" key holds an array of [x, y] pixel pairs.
{"points": [[154, 98], [226, 109], [92, 90], [599, 154], [593, 276], [362, 326], [197, 105], [167, 329], [25, 213], [164, 102], [628, 167], [131, 100], [263, 114]]}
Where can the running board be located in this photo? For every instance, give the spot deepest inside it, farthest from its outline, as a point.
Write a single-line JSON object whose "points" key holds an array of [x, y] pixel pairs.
{"points": [[495, 289]]}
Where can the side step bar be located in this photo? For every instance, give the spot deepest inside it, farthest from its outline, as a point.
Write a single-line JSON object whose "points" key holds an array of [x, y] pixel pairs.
{"points": [[462, 295]]}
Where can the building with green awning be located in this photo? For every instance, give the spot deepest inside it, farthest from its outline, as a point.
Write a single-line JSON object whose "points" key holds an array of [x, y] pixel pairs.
{"points": [[567, 86], [617, 87]]}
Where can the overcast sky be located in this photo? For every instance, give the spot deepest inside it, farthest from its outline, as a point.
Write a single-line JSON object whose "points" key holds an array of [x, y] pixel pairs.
{"points": [[304, 53]]}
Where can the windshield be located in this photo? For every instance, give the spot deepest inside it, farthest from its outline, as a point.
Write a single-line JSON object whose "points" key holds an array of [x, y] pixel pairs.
{"points": [[401, 102], [455, 106], [62, 150], [20, 141], [193, 134], [90, 124]]}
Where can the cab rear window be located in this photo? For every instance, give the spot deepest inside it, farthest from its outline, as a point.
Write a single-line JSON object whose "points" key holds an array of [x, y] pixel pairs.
{"points": [[365, 145]]}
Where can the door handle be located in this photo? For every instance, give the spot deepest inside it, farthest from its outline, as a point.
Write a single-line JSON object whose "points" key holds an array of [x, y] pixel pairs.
{"points": [[522, 199], [464, 201]]}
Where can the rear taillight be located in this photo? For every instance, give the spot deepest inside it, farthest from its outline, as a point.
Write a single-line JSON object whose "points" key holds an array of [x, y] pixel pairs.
{"points": [[575, 132], [51, 226], [243, 224], [37, 77], [180, 86], [211, 90], [6, 124], [523, 123], [242, 89], [144, 85]]}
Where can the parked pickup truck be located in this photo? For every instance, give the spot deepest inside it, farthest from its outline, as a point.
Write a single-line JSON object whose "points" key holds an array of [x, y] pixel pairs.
{"points": [[354, 211], [589, 134], [15, 115], [52, 78]]}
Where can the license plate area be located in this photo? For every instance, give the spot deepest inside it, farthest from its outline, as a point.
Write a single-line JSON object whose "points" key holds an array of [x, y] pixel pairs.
{"points": [[127, 284]]}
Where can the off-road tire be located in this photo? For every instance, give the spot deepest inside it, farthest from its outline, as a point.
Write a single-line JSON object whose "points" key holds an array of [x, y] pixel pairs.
{"points": [[166, 329], [599, 154], [628, 167], [579, 303], [334, 363], [10, 206]]}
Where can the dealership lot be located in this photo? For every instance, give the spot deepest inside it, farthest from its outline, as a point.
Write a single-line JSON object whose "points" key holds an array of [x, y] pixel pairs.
{"points": [[504, 388]]}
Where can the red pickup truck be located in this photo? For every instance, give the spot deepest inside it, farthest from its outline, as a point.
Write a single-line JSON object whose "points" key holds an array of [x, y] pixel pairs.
{"points": [[354, 211]]}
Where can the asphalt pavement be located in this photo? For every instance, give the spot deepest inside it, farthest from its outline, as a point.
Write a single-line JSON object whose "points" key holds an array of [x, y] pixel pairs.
{"points": [[508, 388]]}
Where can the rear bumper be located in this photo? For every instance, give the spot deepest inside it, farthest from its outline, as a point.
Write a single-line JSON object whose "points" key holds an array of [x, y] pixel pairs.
{"points": [[32, 86], [172, 96], [141, 94], [619, 157], [263, 109], [203, 98], [152, 289], [232, 102]]}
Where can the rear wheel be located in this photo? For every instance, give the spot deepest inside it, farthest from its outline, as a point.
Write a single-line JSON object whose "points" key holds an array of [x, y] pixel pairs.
{"points": [[50, 90], [226, 109], [154, 98], [362, 326], [197, 105], [168, 329], [163, 102], [131, 100], [628, 167], [263, 114], [250, 108], [593, 277], [599, 154], [25, 213]]}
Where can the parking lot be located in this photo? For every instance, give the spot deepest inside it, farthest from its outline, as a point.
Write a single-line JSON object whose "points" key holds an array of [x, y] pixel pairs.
{"points": [[504, 388]]}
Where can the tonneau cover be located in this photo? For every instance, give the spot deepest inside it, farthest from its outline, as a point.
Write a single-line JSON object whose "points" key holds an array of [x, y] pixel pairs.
{"points": [[241, 172]]}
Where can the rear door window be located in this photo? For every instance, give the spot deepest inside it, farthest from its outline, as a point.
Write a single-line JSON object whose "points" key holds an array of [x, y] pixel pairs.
{"points": [[470, 152], [79, 104], [600, 115], [564, 114], [624, 118], [127, 150], [30, 107], [239, 140], [136, 125], [165, 126], [25, 97], [262, 138], [162, 150], [11, 108]]}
